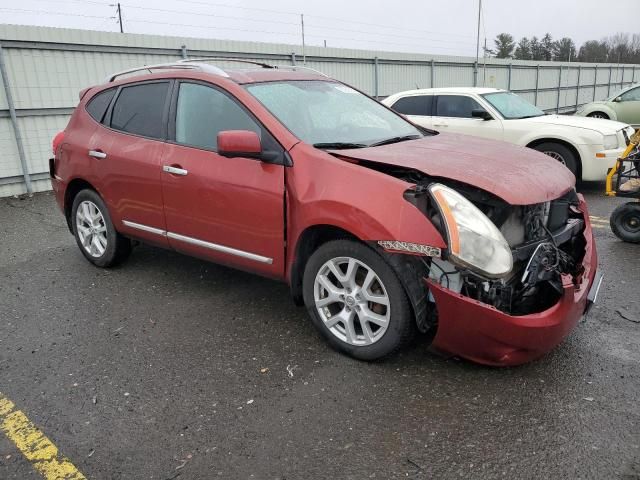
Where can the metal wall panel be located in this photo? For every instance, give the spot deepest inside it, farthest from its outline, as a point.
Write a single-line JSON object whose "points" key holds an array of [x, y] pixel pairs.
{"points": [[47, 67]]}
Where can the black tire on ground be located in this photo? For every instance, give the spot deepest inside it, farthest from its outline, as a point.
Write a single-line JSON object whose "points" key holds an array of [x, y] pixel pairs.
{"points": [[598, 115], [117, 248], [401, 325], [625, 222], [562, 154]]}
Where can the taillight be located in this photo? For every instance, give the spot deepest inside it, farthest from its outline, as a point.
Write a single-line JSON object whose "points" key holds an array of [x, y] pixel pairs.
{"points": [[57, 140]]}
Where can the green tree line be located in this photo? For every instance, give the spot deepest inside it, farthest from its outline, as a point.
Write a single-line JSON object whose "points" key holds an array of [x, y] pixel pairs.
{"points": [[618, 48]]}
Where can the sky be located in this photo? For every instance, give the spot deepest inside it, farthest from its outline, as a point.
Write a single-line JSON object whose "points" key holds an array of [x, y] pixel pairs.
{"points": [[446, 27]]}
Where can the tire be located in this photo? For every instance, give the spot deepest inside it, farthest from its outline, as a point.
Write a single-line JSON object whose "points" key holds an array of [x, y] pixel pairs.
{"points": [[625, 222], [561, 153], [599, 115], [95, 234], [351, 315]]}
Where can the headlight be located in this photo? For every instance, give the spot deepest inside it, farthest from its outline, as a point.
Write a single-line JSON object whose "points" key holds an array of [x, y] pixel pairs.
{"points": [[474, 241], [610, 142]]}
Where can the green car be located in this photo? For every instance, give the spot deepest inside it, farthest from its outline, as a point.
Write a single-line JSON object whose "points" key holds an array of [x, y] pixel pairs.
{"points": [[624, 106]]}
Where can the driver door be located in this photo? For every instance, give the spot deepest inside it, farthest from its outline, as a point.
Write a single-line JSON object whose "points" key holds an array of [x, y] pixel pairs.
{"points": [[453, 114], [628, 108], [228, 210]]}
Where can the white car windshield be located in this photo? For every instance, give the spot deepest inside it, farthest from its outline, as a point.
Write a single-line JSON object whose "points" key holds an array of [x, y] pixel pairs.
{"points": [[511, 106], [331, 115]]}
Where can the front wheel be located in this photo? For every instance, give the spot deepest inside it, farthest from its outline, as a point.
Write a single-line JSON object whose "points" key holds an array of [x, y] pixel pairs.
{"points": [[356, 300], [625, 222], [598, 115], [560, 153], [95, 234]]}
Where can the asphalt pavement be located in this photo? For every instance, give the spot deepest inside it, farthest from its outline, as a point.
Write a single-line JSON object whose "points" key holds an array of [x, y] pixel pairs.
{"points": [[170, 367]]}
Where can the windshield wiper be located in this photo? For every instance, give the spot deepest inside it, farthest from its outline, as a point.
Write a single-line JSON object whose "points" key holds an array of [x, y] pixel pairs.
{"points": [[339, 145], [529, 116], [395, 140]]}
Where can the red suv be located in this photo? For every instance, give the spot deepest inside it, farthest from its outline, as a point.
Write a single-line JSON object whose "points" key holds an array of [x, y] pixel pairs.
{"points": [[381, 228]]}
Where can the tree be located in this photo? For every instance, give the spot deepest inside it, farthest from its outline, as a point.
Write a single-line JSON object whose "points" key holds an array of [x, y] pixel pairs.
{"points": [[546, 45], [536, 49], [523, 50], [504, 45], [564, 50], [593, 51]]}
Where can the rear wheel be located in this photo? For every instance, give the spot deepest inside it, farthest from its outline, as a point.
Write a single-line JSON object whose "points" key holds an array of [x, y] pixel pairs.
{"points": [[625, 222], [95, 234], [356, 300], [598, 115], [560, 153]]}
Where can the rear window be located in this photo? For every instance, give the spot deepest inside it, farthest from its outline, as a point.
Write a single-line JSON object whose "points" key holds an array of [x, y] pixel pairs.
{"points": [[414, 105], [139, 108], [98, 105]]}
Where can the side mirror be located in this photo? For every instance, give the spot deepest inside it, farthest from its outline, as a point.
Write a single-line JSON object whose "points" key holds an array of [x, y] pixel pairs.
{"points": [[617, 99], [481, 113], [239, 143]]}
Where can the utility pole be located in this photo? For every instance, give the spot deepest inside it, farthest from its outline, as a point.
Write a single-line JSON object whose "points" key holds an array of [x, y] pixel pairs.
{"points": [[475, 71], [484, 69], [120, 18], [304, 56]]}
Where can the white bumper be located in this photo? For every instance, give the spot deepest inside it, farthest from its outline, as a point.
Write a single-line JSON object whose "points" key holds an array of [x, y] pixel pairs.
{"points": [[596, 161]]}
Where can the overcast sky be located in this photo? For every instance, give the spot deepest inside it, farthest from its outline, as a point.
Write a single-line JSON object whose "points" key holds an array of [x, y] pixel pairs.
{"points": [[446, 27]]}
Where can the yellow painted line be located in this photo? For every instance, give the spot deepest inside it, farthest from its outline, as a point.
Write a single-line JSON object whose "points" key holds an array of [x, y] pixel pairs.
{"points": [[34, 445]]}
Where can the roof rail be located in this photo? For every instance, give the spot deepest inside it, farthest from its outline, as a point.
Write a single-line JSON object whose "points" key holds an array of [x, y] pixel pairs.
{"points": [[226, 59], [169, 66], [299, 67]]}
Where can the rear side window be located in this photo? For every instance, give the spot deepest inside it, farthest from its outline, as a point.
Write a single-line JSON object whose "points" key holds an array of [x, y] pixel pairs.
{"points": [[414, 105], [203, 112], [98, 105], [457, 106], [139, 108]]}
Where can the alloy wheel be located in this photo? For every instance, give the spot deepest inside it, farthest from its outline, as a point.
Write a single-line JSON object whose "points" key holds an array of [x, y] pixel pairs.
{"points": [[91, 228], [352, 301], [556, 156]]}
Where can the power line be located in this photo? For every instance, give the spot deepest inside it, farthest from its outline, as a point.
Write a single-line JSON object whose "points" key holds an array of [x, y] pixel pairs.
{"points": [[64, 14]]}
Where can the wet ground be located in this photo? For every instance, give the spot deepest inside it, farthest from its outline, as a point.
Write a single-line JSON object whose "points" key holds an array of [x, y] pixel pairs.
{"points": [[169, 367]]}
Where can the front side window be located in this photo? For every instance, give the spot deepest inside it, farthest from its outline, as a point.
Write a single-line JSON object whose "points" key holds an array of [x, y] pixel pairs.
{"points": [[632, 95], [457, 106], [98, 105], [202, 112], [512, 106], [414, 105], [139, 108], [323, 112]]}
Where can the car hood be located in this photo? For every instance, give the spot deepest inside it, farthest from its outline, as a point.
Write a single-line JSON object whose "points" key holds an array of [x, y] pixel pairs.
{"points": [[606, 127], [518, 175]]}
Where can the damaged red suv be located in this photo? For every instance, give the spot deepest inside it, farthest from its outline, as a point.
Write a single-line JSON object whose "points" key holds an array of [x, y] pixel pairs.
{"points": [[382, 229]]}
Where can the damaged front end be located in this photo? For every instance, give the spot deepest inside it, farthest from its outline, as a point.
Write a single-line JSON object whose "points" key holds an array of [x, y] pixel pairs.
{"points": [[513, 312], [546, 241]]}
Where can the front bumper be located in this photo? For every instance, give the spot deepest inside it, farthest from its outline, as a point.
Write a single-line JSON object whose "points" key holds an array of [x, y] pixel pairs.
{"points": [[481, 333], [596, 162]]}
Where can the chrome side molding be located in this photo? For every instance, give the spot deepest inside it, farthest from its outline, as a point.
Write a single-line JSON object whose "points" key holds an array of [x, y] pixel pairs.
{"points": [[200, 243]]}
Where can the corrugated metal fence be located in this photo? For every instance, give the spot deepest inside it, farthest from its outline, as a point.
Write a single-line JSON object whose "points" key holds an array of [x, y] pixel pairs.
{"points": [[47, 67]]}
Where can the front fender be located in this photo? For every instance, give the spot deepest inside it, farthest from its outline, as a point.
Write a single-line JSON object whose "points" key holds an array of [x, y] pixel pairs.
{"points": [[599, 107], [324, 190]]}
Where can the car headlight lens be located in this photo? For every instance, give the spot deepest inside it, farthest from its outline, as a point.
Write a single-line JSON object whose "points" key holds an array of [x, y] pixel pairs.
{"points": [[474, 241], [610, 142]]}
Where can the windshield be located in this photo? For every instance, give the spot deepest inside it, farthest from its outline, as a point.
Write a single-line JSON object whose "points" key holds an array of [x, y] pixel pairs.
{"points": [[332, 115], [511, 106]]}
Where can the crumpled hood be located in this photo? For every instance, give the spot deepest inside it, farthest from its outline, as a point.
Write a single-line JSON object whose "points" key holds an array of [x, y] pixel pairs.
{"points": [[606, 127], [518, 175]]}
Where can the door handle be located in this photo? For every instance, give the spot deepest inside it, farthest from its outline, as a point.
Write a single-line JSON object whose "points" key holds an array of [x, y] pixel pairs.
{"points": [[440, 125], [97, 154], [175, 170]]}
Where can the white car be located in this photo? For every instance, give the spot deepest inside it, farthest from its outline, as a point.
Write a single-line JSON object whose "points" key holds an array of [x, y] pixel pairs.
{"points": [[587, 146]]}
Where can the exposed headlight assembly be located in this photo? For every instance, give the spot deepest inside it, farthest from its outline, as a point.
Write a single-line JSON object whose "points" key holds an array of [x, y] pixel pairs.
{"points": [[610, 142], [474, 241]]}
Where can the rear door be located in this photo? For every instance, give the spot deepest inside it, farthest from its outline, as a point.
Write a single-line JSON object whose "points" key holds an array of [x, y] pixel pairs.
{"points": [[417, 108], [128, 157], [453, 114], [229, 210]]}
